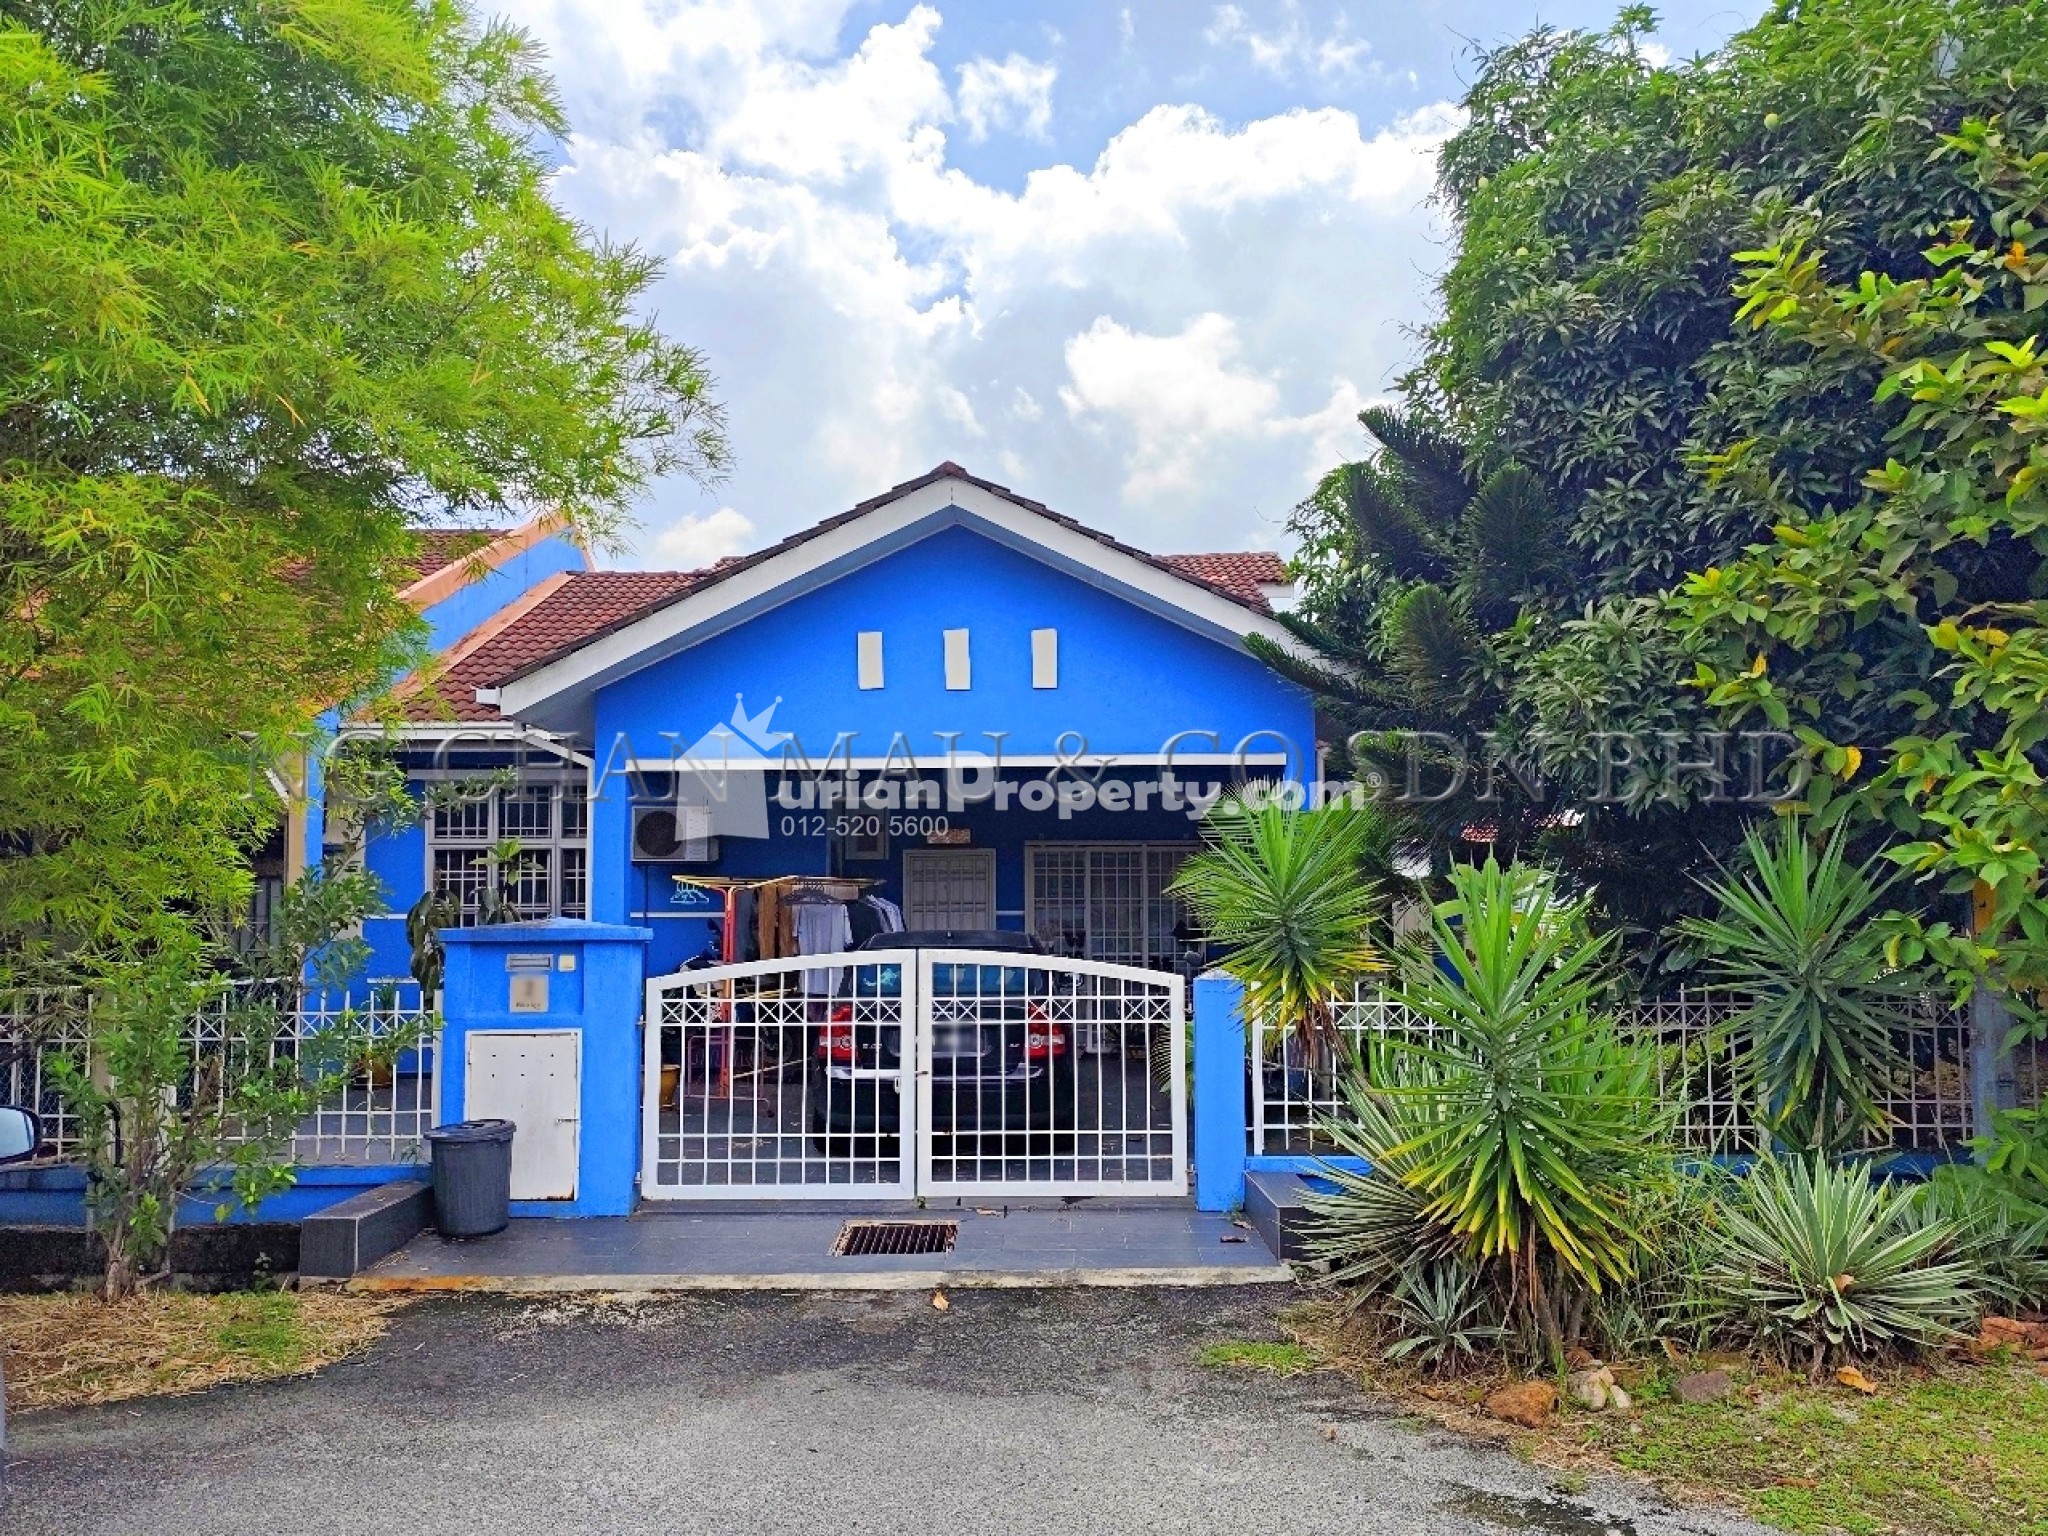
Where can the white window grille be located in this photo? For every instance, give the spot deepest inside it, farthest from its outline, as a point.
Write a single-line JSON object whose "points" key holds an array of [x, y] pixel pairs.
{"points": [[550, 822], [1106, 901]]}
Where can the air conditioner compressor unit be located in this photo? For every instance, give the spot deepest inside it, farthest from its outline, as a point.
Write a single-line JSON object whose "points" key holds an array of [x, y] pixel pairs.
{"points": [[664, 834]]}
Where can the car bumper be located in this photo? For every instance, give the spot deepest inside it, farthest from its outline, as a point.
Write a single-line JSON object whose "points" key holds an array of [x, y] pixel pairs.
{"points": [[864, 1104]]}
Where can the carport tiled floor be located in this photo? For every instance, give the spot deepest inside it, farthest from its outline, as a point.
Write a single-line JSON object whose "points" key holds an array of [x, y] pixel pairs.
{"points": [[790, 1246]]}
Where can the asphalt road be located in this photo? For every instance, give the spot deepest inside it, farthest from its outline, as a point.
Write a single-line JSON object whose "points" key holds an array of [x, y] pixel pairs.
{"points": [[1013, 1412]]}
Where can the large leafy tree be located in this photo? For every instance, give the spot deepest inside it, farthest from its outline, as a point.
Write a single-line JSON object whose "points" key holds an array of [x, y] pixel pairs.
{"points": [[1903, 633], [1587, 338], [281, 280], [1600, 203]]}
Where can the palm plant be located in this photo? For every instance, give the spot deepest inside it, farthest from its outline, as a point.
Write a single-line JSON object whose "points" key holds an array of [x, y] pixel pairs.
{"points": [[1818, 1258], [1794, 935], [1287, 895], [1536, 1124]]}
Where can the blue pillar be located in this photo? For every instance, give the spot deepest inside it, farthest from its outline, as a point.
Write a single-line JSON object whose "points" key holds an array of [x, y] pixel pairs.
{"points": [[558, 977], [611, 837], [1221, 1136]]}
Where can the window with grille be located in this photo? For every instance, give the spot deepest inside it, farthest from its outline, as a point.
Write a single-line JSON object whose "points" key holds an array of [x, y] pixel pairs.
{"points": [[1106, 901], [550, 821]]}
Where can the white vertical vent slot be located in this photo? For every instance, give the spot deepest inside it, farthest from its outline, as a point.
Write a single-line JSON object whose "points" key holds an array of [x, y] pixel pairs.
{"points": [[959, 671], [869, 658], [1045, 658]]}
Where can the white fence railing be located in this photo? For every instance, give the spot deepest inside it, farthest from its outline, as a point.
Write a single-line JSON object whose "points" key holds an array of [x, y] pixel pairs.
{"points": [[1927, 1099], [378, 1116]]}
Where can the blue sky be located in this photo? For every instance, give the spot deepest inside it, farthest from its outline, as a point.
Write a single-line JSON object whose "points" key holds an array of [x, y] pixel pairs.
{"points": [[1143, 262]]}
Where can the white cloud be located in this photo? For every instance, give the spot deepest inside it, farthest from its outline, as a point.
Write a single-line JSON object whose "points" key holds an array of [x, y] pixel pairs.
{"points": [[871, 309], [1170, 397], [1183, 401], [692, 542], [1015, 94], [1291, 48]]}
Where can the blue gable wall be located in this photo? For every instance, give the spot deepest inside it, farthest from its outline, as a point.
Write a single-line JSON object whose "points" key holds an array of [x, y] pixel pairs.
{"points": [[1128, 680], [468, 606]]}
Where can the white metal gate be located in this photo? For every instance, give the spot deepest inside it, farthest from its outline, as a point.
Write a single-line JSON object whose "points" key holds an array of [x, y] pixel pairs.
{"points": [[916, 1072]]}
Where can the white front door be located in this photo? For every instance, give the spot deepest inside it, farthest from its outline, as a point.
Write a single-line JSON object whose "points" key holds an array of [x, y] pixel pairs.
{"points": [[534, 1078], [949, 888]]}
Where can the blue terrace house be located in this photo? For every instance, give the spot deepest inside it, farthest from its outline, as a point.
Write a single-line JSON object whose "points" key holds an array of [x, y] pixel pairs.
{"points": [[985, 713]]}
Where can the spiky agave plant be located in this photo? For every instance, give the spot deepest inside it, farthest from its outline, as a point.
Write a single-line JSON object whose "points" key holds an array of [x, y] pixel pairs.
{"points": [[1818, 1258], [1794, 936], [1288, 896], [1369, 1225], [1535, 1122]]}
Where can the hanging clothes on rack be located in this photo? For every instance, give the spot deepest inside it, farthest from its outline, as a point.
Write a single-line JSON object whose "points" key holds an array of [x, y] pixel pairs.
{"points": [[822, 928], [892, 915], [745, 920], [768, 922], [866, 922], [759, 917]]}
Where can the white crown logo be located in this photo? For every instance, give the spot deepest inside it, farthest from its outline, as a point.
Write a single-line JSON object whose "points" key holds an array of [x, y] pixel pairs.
{"points": [[755, 728]]}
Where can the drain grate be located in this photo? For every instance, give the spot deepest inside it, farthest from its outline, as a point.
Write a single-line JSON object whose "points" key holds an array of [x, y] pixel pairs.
{"points": [[857, 1239]]}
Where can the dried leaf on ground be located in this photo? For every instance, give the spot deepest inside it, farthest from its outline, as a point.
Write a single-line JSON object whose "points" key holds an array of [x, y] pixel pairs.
{"points": [[72, 1350]]}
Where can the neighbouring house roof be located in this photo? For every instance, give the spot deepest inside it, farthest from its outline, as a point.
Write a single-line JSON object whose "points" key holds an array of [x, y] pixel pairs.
{"points": [[555, 617], [449, 559], [561, 618], [439, 547], [1247, 575]]}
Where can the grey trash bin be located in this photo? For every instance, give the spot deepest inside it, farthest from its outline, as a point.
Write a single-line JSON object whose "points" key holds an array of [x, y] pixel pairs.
{"points": [[472, 1177]]}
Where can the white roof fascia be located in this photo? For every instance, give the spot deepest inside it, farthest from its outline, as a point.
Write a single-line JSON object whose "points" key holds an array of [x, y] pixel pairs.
{"points": [[697, 616], [1108, 762]]}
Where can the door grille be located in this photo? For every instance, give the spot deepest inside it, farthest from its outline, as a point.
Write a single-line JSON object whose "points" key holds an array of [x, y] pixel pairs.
{"points": [[858, 1239]]}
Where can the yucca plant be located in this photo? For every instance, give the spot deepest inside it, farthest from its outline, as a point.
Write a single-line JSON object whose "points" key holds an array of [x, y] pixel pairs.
{"points": [[1535, 1126], [1370, 1225], [1999, 1233], [1794, 936], [1818, 1259], [1289, 897]]}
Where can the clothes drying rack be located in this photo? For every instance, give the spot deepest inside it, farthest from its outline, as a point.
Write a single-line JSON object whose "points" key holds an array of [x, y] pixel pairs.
{"points": [[800, 889]]}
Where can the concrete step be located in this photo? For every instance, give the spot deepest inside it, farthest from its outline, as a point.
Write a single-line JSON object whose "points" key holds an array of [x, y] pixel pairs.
{"points": [[345, 1239], [1276, 1205]]}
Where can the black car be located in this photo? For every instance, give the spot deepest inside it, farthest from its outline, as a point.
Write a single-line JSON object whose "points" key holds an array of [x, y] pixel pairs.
{"points": [[1001, 1059]]}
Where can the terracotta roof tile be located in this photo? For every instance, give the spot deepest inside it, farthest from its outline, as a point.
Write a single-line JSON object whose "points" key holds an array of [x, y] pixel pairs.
{"points": [[439, 547], [1240, 574], [585, 605]]}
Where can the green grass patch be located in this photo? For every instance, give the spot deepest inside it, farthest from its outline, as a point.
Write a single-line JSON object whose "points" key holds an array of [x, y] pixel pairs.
{"points": [[267, 1331], [1286, 1359], [1960, 1449]]}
